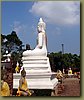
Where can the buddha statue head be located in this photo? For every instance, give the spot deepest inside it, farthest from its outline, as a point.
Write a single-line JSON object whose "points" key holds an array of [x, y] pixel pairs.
{"points": [[23, 72], [41, 26]]}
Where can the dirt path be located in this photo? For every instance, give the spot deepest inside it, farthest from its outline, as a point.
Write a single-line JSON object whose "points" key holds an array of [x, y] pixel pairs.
{"points": [[71, 87]]}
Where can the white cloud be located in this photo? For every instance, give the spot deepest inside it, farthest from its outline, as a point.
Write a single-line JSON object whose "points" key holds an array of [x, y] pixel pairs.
{"points": [[58, 12], [18, 27]]}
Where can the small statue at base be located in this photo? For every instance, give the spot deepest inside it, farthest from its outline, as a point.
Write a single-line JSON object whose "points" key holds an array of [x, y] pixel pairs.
{"points": [[69, 71], [59, 76], [5, 90], [17, 69], [23, 88]]}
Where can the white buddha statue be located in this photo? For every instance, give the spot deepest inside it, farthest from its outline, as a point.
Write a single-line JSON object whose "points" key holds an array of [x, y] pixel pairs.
{"points": [[40, 49]]}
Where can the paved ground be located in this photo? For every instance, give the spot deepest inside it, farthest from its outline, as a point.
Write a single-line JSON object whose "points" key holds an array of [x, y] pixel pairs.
{"points": [[71, 87]]}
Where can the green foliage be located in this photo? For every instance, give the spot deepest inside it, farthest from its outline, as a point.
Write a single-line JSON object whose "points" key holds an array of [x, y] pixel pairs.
{"points": [[13, 44], [13, 38], [60, 61], [12, 41]]}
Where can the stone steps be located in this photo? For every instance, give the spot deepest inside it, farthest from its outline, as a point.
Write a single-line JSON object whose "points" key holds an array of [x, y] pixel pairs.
{"points": [[35, 62], [35, 65], [34, 58]]}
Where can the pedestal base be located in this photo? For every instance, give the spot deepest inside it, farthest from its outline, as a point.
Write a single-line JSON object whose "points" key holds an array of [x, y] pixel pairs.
{"points": [[37, 80]]}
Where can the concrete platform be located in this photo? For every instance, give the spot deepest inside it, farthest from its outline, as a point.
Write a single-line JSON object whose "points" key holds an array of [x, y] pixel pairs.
{"points": [[37, 80]]}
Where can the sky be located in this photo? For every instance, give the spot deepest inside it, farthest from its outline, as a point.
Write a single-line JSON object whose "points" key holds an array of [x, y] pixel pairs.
{"points": [[62, 20]]}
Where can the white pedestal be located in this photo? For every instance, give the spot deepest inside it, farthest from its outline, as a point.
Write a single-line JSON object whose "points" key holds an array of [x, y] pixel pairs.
{"points": [[36, 64], [37, 80], [38, 73]]}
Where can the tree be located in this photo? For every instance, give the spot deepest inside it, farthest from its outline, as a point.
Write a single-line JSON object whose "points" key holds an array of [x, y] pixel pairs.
{"points": [[3, 46], [13, 44], [60, 61]]}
